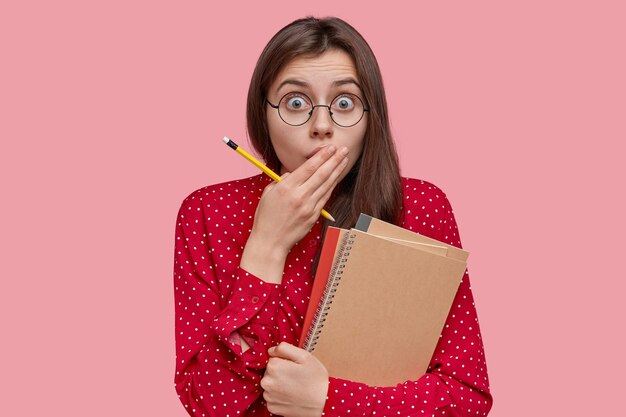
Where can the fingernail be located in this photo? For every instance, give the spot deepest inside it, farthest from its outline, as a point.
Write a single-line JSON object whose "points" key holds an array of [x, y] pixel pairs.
{"points": [[331, 149], [344, 151]]}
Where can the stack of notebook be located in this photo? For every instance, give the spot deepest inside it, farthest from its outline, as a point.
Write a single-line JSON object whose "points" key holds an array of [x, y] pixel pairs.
{"points": [[379, 301]]}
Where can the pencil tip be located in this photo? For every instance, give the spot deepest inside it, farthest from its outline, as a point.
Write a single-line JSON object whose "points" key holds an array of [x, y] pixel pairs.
{"points": [[331, 218]]}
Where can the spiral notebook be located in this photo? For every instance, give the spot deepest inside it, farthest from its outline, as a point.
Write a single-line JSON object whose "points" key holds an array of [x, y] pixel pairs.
{"points": [[377, 310]]}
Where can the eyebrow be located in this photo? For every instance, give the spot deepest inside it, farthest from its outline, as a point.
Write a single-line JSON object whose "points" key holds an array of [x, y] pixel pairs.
{"points": [[300, 83]]}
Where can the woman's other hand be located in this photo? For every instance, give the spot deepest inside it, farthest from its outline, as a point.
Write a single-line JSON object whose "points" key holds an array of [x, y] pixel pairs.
{"points": [[295, 383]]}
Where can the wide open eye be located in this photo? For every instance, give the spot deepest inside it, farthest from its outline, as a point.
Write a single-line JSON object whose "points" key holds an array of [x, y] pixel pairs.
{"points": [[296, 102], [344, 102]]}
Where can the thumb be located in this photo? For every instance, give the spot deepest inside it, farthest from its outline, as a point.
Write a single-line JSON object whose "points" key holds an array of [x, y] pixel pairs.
{"points": [[273, 183], [288, 351]]}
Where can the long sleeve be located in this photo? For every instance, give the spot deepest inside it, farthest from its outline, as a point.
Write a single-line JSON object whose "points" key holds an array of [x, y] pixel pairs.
{"points": [[215, 303], [456, 382]]}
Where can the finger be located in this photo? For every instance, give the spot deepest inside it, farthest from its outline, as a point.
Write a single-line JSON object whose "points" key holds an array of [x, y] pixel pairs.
{"points": [[267, 396], [310, 167], [263, 383], [324, 198], [269, 187], [279, 367], [331, 182], [272, 365], [288, 351], [324, 172], [321, 196]]}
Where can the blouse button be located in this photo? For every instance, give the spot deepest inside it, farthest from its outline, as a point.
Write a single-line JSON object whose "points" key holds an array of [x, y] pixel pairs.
{"points": [[255, 299]]}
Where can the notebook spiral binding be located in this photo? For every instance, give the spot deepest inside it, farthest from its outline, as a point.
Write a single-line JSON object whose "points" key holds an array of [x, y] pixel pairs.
{"points": [[329, 293]]}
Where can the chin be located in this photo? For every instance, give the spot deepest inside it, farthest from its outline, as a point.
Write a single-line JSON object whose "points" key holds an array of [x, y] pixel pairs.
{"points": [[287, 168]]}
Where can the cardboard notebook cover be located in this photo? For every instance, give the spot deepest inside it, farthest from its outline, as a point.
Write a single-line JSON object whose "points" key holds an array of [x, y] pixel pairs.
{"points": [[330, 249], [378, 227], [383, 310]]}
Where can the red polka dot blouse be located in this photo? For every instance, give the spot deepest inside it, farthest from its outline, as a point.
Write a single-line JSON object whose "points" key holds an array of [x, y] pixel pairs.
{"points": [[217, 302]]}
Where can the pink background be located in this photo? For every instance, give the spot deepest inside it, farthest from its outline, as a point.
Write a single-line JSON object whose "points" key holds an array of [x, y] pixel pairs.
{"points": [[112, 112]]}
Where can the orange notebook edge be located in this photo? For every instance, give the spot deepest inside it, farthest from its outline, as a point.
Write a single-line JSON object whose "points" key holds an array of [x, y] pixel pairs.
{"points": [[324, 266]]}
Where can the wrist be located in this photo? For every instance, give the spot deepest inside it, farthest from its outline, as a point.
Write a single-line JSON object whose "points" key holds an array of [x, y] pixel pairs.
{"points": [[264, 260]]}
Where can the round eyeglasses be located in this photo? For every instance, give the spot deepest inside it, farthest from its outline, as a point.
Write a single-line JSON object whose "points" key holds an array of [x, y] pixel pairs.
{"points": [[296, 109]]}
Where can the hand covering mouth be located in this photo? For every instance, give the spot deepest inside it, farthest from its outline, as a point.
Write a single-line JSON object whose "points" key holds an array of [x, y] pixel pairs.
{"points": [[316, 150]]}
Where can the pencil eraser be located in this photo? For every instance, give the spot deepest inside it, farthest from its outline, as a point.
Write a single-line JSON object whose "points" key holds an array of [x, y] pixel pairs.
{"points": [[226, 140]]}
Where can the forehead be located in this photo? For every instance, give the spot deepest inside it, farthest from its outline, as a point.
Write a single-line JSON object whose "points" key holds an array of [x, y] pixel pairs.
{"points": [[317, 71]]}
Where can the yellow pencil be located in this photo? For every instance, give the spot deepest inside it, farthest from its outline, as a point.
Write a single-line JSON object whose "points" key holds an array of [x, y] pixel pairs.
{"points": [[263, 168]]}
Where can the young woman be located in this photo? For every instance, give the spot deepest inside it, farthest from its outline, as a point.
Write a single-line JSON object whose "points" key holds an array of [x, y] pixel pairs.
{"points": [[246, 249]]}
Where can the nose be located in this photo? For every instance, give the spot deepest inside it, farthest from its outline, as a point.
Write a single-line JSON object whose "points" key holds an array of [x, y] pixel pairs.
{"points": [[321, 123]]}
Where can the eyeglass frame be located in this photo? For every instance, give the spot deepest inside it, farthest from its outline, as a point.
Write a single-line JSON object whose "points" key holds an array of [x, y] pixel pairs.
{"points": [[330, 112]]}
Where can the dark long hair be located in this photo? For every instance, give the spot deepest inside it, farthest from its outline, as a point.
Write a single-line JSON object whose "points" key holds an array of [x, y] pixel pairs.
{"points": [[373, 185]]}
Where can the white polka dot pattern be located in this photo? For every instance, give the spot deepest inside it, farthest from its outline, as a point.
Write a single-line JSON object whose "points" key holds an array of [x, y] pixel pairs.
{"points": [[217, 303]]}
